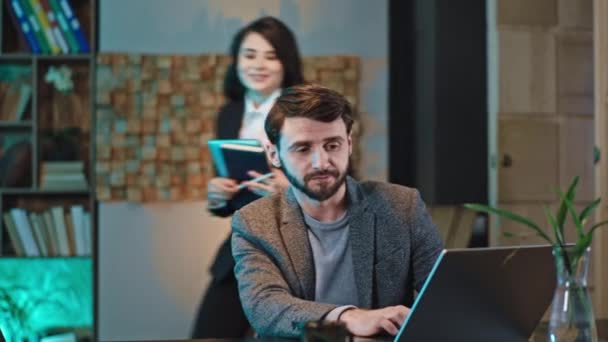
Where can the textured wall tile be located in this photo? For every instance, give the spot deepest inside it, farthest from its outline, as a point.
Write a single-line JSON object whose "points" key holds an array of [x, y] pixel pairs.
{"points": [[156, 113]]}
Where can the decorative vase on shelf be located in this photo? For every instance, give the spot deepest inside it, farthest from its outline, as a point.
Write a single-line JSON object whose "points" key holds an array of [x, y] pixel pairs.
{"points": [[572, 316]]}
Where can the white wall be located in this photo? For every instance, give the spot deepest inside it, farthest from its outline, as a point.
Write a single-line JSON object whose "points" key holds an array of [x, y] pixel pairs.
{"points": [[154, 258], [153, 267]]}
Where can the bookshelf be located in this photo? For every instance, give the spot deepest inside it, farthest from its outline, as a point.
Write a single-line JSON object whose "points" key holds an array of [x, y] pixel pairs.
{"points": [[41, 122]]}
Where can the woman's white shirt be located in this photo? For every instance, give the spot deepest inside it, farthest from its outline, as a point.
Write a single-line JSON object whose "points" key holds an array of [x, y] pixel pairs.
{"points": [[252, 126]]}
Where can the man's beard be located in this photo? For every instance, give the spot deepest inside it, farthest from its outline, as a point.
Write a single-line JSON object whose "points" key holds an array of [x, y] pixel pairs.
{"points": [[324, 192]]}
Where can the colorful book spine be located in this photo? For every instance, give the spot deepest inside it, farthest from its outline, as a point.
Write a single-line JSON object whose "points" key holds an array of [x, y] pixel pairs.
{"points": [[40, 37], [61, 41], [74, 25], [31, 39], [22, 25], [46, 27], [63, 25]]}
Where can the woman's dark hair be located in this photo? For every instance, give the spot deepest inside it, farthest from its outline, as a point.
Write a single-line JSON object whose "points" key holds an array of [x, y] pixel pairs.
{"points": [[284, 44]]}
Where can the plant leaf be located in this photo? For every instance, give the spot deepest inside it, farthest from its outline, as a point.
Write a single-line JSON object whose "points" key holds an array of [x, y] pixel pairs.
{"points": [[510, 216], [575, 217], [555, 226], [589, 209], [563, 208], [582, 243], [596, 226], [508, 234]]}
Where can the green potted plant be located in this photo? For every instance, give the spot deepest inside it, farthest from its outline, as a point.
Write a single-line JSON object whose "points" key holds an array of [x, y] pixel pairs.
{"points": [[571, 315]]}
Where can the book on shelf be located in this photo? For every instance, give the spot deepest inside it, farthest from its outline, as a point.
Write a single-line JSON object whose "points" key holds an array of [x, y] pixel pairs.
{"points": [[25, 94], [57, 231], [79, 224], [25, 232], [63, 166], [49, 228], [69, 227], [40, 234], [15, 98], [61, 230], [66, 175], [74, 25], [36, 28], [22, 25], [15, 91], [88, 231], [46, 27], [10, 101], [9, 224], [59, 37], [64, 181], [64, 26]]}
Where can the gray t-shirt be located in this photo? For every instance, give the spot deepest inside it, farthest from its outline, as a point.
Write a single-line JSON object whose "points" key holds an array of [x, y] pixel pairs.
{"points": [[335, 276]]}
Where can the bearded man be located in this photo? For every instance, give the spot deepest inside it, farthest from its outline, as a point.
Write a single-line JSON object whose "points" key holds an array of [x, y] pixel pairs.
{"points": [[329, 247]]}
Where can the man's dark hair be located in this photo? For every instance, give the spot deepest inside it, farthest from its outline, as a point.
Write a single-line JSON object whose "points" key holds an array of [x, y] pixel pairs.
{"points": [[310, 101], [286, 49]]}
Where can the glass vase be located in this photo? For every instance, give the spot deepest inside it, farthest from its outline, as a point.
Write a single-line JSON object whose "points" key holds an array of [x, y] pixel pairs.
{"points": [[571, 311]]}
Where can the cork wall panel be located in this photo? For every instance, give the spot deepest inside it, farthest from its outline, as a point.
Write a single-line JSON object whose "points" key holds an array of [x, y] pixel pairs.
{"points": [[155, 114]]}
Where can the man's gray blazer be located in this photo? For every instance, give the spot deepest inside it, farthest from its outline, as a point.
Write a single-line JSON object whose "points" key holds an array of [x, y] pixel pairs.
{"points": [[394, 246]]}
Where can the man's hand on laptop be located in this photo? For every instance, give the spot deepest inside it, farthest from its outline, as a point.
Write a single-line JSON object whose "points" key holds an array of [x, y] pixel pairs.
{"points": [[372, 322]]}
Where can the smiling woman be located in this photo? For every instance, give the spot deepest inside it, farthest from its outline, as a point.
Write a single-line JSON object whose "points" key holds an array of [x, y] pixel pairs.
{"points": [[259, 69], [265, 60]]}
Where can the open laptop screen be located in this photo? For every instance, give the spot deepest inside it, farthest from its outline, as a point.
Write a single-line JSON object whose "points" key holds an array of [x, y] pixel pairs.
{"points": [[483, 294]]}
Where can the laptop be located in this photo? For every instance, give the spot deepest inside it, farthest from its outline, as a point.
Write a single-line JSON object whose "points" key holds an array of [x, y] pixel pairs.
{"points": [[482, 294]]}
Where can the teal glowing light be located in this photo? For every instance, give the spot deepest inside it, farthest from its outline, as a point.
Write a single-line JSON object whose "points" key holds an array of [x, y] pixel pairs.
{"points": [[38, 294]]}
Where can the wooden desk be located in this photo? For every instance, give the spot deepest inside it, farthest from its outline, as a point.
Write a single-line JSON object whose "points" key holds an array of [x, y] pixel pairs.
{"points": [[539, 335]]}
